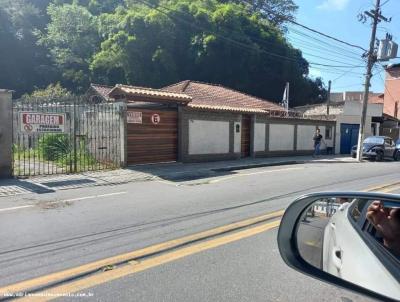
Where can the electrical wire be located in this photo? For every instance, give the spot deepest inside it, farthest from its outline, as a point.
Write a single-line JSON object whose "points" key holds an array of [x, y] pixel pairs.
{"points": [[311, 29], [308, 36], [311, 46], [237, 43]]}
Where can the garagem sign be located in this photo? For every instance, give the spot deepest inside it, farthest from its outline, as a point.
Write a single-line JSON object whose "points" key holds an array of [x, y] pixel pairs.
{"points": [[36, 122]]}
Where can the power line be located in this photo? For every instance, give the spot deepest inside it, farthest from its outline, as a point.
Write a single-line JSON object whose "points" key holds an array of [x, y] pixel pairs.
{"points": [[342, 75], [348, 86], [338, 71], [237, 43], [311, 45], [313, 30], [300, 33]]}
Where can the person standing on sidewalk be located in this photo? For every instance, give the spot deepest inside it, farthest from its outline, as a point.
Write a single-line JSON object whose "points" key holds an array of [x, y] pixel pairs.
{"points": [[317, 142]]}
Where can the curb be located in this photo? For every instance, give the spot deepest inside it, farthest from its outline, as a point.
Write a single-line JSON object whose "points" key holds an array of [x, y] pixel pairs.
{"points": [[281, 163], [251, 166]]}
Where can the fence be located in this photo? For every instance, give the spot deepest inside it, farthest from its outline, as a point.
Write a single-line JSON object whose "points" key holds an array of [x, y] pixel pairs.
{"points": [[65, 135]]}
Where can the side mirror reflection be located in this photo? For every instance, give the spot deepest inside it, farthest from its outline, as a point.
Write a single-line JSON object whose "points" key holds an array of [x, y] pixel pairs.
{"points": [[355, 239]]}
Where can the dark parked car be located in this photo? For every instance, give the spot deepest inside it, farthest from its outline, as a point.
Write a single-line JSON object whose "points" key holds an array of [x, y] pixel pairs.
{"points": [[378, 148]]}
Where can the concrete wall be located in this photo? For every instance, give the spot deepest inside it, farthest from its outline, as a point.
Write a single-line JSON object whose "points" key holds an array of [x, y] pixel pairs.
{"points": [[6, 123], [285, 136], [281, 137], [259, 137], [355, 109], [208, 137], [305, 134]]}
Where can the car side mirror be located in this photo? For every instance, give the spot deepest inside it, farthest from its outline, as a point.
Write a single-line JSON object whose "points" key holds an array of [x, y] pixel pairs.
{"points": [[351, 240]]}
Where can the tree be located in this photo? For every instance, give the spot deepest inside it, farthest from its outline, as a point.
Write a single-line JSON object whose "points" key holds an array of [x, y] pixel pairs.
{"points": [[199, 40], [51, 91], [278, 12], [72, 39], [23, 63]]}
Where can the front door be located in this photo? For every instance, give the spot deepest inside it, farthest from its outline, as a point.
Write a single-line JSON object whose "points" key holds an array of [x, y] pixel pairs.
{"points": [[245, 137], [348, 137]]}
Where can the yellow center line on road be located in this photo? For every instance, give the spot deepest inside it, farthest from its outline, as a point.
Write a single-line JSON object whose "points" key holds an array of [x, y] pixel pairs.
{"points": [[129, 263], [27, 285], [384, 188], [129, 269]]}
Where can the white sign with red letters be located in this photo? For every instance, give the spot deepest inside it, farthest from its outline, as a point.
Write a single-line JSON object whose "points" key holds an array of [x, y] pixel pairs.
{"points": [[37, 122], [134, 117]]}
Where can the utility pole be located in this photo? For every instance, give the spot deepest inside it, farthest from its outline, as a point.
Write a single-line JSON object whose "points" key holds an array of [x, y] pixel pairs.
{"points": [[376, 16], [328, 103]]}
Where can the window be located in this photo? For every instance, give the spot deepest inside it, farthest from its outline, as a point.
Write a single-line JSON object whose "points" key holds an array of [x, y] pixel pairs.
{"points": [[357, 208], [388, 142], [374, 140], [328, 133]]}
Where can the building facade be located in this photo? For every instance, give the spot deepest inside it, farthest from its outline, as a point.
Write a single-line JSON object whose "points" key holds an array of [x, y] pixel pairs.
{"points": [[195, 122]]}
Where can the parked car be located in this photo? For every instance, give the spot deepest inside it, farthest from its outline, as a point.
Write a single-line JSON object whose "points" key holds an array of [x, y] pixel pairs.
{"points": [[348, 235], [379, 148], [357, 247]]}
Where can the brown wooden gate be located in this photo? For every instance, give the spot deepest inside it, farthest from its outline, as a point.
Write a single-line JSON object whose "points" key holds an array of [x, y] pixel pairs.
{"points": [[245, 140], [152, 136]]}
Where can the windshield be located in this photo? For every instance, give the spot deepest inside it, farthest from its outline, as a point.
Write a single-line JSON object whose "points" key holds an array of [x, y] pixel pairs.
{"points": [[373, 140]]}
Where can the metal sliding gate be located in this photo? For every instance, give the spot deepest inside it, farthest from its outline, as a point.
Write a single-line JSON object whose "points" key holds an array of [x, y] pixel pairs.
{"points": [[69, 135]]}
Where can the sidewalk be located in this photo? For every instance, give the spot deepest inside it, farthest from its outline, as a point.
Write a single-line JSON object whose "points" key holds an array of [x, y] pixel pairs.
{"points": [[175, 172]]}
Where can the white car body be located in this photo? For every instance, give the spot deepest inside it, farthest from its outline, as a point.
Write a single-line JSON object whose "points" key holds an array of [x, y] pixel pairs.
{"points": [[347, 256]]}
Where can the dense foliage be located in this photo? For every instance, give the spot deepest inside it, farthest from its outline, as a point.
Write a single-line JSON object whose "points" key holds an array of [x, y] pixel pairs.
{"points": [[240, 44]]}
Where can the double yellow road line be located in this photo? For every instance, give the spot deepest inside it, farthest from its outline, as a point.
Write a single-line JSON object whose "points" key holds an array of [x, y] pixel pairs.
{"points": [[129, 263], [92, 274]]}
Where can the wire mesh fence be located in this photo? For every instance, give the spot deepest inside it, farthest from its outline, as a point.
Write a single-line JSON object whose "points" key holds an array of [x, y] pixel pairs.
{"points": [[65, 135]]}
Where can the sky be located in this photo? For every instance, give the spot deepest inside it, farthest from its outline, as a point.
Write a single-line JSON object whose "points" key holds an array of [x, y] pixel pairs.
{"points": [[338, 18]]}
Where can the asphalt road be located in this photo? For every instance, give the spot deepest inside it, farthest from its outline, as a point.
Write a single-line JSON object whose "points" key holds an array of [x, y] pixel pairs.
{"points": [[51, 232]]}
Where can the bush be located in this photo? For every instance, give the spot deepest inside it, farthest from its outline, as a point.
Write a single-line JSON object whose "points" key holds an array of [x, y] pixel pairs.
{"points": [[55, 147]]}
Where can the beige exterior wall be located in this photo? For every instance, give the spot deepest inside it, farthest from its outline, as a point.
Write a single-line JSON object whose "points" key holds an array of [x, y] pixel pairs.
{"points": [[259, 137], [208, 137], [328, 142], [355, 108], [281, 137], [305, 134]]}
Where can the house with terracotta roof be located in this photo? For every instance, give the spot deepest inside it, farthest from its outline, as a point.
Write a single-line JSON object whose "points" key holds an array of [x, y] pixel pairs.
{"points": [[99, 93], [193, 121]]}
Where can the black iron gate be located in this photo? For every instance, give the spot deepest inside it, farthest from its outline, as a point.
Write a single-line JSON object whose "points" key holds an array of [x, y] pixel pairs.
{"points": [[68, 135]]}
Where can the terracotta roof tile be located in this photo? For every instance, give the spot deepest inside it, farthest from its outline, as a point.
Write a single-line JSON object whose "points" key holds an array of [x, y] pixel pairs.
{"points": [[102, 90], [216, 97], [161, 94]]}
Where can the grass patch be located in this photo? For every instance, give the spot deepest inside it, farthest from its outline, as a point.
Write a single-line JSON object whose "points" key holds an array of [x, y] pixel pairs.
{"points": [[58, 149]]}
